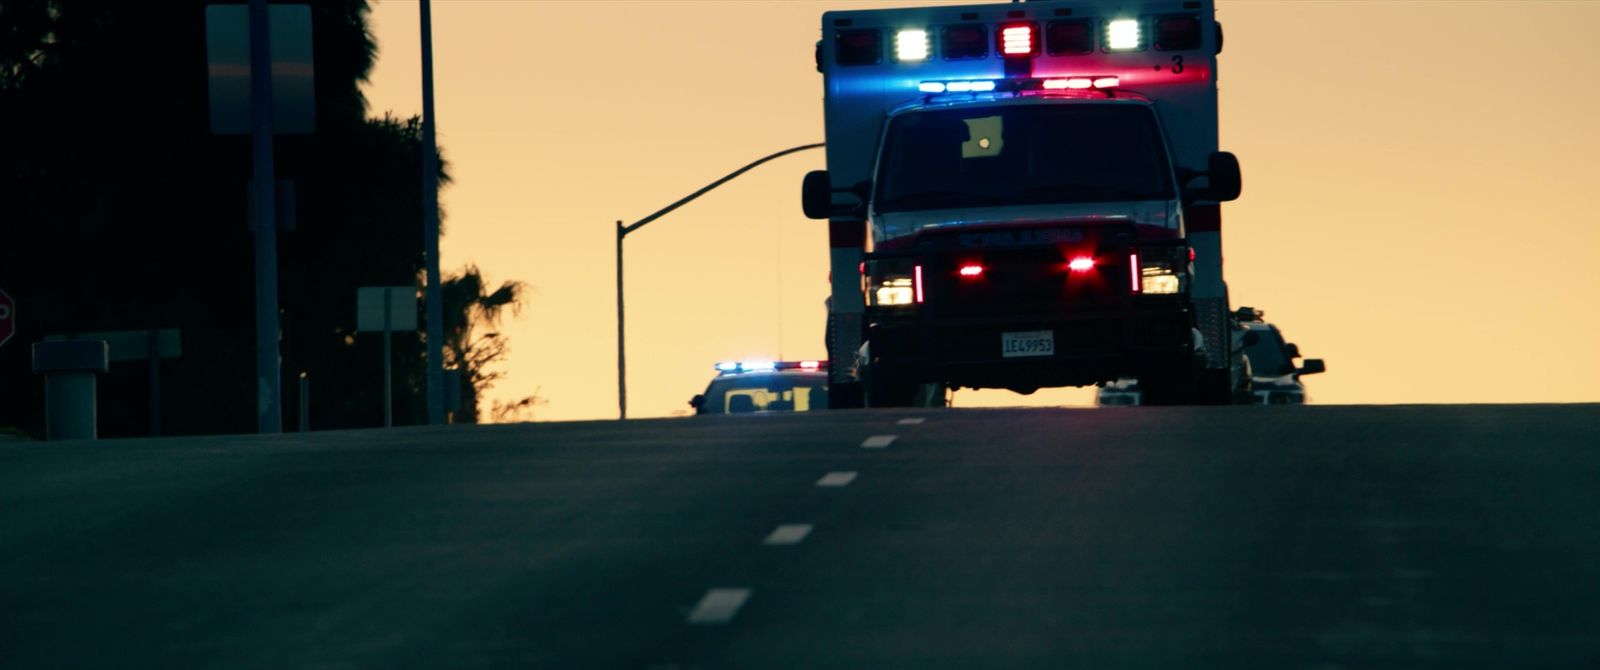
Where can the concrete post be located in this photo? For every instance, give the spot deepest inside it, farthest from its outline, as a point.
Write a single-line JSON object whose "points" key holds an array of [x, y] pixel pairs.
{"points": [[305, 402], [69, 368]]}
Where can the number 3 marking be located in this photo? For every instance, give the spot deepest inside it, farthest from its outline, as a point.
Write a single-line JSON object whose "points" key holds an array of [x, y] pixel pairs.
{"points": [[1177, 64]]}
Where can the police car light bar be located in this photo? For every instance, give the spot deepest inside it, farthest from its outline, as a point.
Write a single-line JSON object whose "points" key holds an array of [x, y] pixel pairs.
{"points": [[733, 367]]}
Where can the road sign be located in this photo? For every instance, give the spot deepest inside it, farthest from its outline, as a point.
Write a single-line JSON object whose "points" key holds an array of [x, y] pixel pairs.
{"points": [[134, 345], [139, 345], [400, 303], [8, 317], [228, 58], [384, 309]]}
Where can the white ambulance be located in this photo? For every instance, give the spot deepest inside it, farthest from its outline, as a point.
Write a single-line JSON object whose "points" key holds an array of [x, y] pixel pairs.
{"points": [[1025, 195]]}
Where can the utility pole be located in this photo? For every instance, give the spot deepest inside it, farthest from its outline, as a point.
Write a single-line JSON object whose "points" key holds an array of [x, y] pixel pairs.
{"points": [[622, 349], [269, 396], [430, 229], [622, 233]]}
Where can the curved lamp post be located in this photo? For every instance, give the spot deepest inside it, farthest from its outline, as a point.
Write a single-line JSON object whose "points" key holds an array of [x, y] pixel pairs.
{"points": [[622, 232]]}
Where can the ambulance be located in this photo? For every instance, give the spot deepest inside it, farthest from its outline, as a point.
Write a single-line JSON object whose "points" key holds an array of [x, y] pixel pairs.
{"points": [[1022, 196]]}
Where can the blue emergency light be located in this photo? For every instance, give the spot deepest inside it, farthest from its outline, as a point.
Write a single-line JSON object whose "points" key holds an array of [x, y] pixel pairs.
{"points": [[736, 367], [1019, 85]]}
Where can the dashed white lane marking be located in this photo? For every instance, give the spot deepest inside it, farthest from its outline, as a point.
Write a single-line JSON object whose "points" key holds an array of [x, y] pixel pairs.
{"points": [[912, 421], [837, 479], [789, 533], [878, 442], [718, 606]]}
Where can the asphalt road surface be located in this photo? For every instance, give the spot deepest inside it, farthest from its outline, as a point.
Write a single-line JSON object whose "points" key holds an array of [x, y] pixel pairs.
{"points": [[1232, 537]]}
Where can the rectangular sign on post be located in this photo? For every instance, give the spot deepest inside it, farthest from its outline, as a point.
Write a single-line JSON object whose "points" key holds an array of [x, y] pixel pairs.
{"points": [[139, 345], [402, 308], [228, 61], [134, 345], [384, 309]]}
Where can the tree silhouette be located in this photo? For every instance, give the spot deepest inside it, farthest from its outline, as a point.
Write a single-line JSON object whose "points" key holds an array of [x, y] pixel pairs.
{"points": [[470, 346], [120, 211]]}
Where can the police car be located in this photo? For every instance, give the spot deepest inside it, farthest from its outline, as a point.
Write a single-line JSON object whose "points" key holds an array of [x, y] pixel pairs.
{"points": [[749, 387], [1274, 378]]}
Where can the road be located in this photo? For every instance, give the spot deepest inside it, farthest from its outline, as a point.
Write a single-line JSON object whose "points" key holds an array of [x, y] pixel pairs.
{"points": [[1230, 537]]}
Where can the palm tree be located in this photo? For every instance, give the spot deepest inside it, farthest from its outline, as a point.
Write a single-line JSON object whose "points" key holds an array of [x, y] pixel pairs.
{"points": [[468, 308]]}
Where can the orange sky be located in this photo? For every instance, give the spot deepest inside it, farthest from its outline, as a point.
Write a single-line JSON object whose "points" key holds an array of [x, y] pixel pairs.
{"points": [[1419, 182]]}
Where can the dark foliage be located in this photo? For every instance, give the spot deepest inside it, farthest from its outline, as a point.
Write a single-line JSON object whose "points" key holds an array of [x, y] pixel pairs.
{"points": [[120, 211]]}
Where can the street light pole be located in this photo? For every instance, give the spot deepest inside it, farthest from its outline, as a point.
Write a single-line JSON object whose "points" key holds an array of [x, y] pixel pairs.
{"points": [[622, 333], [430, 229], [622, 233], [269, 397]]}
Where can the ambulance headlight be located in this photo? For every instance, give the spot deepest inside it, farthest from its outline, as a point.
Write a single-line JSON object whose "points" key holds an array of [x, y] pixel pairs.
{"points": [[1159, 278], [892, 291], [1124, 35]]}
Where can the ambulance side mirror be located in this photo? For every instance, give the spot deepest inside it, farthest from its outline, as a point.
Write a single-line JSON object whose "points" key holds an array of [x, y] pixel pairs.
{"points": [[1222, 173], [1312, 366], [816, 196], [1223, 169]]}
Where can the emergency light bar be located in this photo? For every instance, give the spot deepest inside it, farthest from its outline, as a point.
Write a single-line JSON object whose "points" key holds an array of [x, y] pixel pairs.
{"points": [[1021, 40], [966, 86], [735, 367], [1011, 85]]}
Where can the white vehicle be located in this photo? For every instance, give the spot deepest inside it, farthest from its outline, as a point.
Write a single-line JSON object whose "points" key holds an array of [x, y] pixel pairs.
{"points": [[1023, 196]]}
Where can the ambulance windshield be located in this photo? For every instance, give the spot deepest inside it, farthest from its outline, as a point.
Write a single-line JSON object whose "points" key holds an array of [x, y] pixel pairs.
{"points": [[1022, 155]]}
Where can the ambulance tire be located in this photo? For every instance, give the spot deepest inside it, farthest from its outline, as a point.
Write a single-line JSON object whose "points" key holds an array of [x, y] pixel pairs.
{"points": [[1215, 388], [884, 388]]}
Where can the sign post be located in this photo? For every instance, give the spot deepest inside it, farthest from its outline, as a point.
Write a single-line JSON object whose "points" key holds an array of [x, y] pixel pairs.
{"points": [[136, 345], [386, 309], [8, 317], [246, 79]]}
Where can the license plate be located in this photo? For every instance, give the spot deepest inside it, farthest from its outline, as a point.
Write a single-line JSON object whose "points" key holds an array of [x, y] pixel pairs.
{"points": [[1028, 343]]}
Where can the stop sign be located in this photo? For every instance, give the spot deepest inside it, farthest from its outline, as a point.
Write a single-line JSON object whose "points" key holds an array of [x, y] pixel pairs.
{"points": [[8, 317]]}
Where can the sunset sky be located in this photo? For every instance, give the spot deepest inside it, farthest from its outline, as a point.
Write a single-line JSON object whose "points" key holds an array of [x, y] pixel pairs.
{"points": [[1419, 203]]}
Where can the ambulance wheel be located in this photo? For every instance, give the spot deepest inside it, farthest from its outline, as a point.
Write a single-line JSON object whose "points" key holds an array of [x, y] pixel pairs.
{"points": [[1215, 388], [885, 388]]}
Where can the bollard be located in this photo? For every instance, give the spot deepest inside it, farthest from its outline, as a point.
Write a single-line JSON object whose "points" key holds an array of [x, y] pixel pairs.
{"points": [[305, 402], [69, 368]]}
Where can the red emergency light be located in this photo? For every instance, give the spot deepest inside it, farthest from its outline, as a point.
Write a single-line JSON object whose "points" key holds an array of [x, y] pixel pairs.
{"points": [[1081, 264], [1017, 40], [1079, 83], [971, 271]]}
